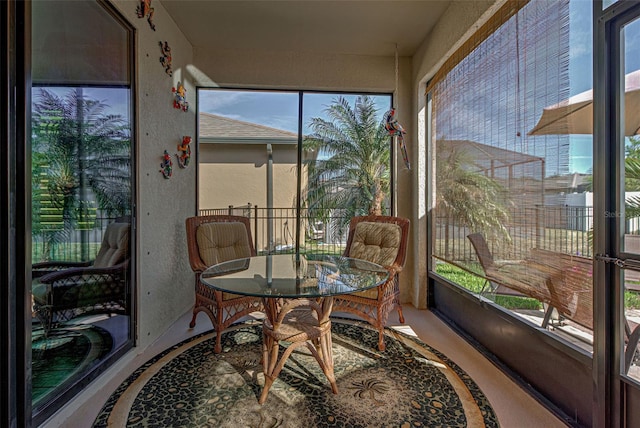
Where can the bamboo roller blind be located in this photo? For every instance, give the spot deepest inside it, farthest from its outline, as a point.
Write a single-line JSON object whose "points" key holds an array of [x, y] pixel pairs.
{"points": [[510, 8], [490, 176]]}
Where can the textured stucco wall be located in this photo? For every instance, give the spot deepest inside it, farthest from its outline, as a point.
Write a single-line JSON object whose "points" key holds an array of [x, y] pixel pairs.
{"points": [[165, 281], [232, 174], [460, 20]]}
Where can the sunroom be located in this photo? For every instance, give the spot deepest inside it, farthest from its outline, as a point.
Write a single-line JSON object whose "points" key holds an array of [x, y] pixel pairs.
{"points": [[517, 168]]}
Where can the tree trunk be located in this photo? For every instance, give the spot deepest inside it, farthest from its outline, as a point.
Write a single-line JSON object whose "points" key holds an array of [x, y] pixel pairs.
{"points": [[376, 204]]}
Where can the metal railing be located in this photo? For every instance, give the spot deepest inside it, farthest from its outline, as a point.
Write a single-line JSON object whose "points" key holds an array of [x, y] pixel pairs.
{"points": [[316, 236], [559, 228]]}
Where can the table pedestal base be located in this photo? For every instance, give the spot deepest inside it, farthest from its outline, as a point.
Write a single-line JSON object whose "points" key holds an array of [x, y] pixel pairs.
{"points": [[299, 322]]}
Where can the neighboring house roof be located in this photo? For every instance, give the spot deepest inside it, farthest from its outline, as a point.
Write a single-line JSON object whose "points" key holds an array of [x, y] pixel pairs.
{"points": [[575, 182], [486, 157], [220, 129]]}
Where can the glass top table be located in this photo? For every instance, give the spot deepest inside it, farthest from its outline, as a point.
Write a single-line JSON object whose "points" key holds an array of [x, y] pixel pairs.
{"points": [[297, 296], [291, 276]]}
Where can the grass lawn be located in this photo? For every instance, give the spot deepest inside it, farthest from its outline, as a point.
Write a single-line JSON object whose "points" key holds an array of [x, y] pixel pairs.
{"points": [[475, 283], [631, 300]]}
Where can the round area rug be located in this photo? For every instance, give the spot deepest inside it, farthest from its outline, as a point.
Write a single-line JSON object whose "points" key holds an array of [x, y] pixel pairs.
{"points": [[408, 385]]}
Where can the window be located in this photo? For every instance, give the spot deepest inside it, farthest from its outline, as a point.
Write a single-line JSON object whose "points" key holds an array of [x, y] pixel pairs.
{"points": [[512, 195], [310, 191]]}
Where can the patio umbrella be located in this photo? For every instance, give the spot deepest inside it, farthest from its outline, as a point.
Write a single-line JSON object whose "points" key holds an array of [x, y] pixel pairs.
{"points": [[575, 115]]}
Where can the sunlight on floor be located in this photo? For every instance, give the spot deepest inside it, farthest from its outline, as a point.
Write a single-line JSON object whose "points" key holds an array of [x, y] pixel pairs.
{"points": [[406, 329]]}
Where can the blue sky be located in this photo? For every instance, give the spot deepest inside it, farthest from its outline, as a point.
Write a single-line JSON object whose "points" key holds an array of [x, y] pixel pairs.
{"points": [[115, 99], [275, 109], [580, 76]]}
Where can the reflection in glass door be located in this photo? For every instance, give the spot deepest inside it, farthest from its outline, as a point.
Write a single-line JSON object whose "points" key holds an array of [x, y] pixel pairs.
{"points": [[81, 197]]}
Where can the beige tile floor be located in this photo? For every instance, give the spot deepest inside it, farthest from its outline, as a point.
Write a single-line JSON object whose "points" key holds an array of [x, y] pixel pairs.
{"points": [[513, 406]]}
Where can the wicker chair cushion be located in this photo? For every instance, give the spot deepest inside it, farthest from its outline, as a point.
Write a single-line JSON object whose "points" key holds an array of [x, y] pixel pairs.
{"points": [[371, 293], [219, 242], [229, 296], [115, 245], [376, 242]]}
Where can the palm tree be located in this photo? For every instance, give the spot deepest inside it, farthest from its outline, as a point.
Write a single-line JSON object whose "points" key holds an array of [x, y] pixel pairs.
{"points": [[351, 175], [82, 153], [468, 198]]}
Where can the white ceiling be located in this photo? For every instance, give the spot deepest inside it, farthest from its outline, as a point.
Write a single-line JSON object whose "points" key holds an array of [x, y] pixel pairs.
{"points": [[346, 26]]}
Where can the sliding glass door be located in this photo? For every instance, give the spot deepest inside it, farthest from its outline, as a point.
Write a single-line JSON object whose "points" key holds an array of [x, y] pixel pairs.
{"points": [[82, 193], [14, 319]]}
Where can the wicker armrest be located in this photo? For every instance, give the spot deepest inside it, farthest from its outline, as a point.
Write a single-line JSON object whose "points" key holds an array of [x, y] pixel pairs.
{"points": [[53, 277], [39, 270], [198, 266], [394, 270], [51, 266]]}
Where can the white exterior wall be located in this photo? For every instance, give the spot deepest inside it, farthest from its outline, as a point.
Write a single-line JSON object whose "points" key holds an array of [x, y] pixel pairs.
{"points": [[585, 199], [579, 199]]}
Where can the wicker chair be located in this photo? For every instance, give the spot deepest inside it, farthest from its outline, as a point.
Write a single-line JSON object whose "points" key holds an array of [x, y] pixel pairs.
{"points": [[214, 239], [383, 240]]}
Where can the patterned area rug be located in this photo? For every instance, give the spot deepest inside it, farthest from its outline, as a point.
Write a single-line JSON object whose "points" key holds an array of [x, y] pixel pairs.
{"points": [[408, 385]]}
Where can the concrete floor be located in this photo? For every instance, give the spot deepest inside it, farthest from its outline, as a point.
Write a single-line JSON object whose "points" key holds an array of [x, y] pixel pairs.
{"points": [[513, 406]]}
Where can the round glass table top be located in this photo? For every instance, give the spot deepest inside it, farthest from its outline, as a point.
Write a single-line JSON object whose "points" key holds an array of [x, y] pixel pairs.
{"points": [[285, 275]]}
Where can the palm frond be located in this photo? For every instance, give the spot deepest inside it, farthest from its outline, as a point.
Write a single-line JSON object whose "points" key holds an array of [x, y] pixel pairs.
{"points": [[84, 152], [355, 153]]}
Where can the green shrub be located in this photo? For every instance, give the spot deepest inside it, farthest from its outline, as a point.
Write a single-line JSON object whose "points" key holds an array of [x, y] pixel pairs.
{"points": [[631, 300]]}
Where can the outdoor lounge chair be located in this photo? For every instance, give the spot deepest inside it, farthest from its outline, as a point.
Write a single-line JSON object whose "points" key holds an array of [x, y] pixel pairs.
{"points": [[63, 290], [485, 257], [530, 277], [215, 239], [382, 240]]}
